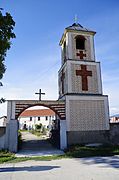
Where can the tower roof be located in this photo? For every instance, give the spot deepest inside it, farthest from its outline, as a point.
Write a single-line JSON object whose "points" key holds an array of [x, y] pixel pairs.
{"points": [[79, 27], [76, 27]]}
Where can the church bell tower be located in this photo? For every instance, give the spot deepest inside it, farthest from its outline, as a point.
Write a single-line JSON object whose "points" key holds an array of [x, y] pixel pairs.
{"points": [[80, 86]]}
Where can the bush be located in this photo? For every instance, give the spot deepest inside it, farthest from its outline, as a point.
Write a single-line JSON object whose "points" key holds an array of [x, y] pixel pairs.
{"points": [[38, 127], [19, 139]]}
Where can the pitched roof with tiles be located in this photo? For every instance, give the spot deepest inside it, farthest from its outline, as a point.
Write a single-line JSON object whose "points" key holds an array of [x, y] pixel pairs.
{"points": [[37, 113]]}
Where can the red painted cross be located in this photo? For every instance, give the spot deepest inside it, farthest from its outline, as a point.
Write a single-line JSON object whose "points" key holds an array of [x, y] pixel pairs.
{"points": [[62, 80], [81, 54], [84, 74]]}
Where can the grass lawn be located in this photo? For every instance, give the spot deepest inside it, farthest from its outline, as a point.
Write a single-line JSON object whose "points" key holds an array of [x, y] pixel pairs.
{"points": [[6, 156], [76, 151], [10, 157]]}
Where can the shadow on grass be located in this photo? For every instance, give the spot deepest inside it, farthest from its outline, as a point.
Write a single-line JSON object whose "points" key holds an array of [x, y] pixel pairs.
{"points": [[112, 161], [105, 156], [78, 151], [28, 168]]}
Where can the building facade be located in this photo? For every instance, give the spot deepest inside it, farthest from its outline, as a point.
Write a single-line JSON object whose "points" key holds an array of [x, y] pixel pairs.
{"points": [[29, 118]]}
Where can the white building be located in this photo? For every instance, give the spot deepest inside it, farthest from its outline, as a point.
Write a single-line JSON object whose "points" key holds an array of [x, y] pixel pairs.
{"points": [[3, 121], [29, 118], [114, 119]]}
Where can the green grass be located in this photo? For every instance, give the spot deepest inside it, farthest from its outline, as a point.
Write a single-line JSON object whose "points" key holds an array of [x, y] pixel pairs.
{"points": [[76, 151], [38, 158], [6, 156], [37, 133], [23, 130], [10, 158]]}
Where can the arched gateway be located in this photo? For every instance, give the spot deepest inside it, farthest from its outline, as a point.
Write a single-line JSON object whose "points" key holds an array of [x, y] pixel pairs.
{"points": [[82, 108], [57, 106], [16, 107]]}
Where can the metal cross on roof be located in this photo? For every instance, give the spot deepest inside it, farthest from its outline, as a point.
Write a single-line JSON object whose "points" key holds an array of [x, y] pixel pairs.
{"points": [[40, 93], [76, 19]]}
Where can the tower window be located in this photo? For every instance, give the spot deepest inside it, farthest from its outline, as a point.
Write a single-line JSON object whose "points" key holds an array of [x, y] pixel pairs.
{"points": [[64, 50], [80, 42]]}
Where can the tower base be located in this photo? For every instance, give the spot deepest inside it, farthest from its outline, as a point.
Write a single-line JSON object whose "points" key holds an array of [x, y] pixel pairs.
{"points": [[84, 137], [87, 119]]}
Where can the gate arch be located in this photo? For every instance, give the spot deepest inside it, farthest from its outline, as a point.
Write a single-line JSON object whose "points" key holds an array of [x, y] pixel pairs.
{"points": [[16, 107], [57, 106]]}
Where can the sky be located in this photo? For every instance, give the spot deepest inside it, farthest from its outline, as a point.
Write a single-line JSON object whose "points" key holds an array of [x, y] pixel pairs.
{"points": [[35, 55]]}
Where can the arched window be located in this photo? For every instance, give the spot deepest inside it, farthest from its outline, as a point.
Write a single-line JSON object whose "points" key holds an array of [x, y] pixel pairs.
{"points": [[80, 42]]}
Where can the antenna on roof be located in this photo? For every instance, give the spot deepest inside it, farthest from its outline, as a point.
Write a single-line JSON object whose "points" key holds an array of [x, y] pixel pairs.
{"points": [[76, 19]]}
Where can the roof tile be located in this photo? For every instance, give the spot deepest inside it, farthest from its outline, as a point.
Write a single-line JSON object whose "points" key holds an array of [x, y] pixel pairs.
{"points": [[37, 112]]}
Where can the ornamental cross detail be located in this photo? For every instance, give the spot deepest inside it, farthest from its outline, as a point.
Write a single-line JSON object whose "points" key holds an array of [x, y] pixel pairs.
{"points": [[40, 93], [62, 80], [81, 54], [84, 73]]}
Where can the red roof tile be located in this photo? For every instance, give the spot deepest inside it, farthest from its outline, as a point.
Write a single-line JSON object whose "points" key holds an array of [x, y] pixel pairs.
{"points": [[37, 112]]}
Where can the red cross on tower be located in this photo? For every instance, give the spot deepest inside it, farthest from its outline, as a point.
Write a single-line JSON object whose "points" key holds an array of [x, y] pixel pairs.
{"points": [[62, 80], [81, 54], [84, 74]]}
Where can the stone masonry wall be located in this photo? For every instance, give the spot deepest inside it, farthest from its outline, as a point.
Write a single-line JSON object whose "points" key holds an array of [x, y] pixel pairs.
{"points": [[82, 137], [114, 133]]}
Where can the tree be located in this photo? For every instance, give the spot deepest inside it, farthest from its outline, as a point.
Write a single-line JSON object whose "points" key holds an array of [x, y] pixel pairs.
{"points": [[6, 33]]}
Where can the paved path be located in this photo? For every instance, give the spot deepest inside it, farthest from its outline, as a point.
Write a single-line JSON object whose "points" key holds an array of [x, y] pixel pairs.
{"points": [[36, 146], [98, 168]]}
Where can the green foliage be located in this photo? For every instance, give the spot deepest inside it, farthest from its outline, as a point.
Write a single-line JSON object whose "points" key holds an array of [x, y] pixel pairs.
{"points": [[38, 127], [19, 139], [6, 33], [39, 130], [37, 133], [2, 100], [6, 156], [78, 151]]}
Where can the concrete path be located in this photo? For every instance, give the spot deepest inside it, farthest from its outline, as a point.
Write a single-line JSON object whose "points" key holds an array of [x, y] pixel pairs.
{"points": [[36, 146], [98, 168]]}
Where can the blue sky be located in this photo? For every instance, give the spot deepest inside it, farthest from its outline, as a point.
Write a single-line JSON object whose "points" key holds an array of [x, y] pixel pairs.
{"points": [[34, 58]]}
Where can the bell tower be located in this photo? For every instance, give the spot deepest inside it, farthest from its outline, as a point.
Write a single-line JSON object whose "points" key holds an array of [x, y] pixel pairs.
{"points": [[79, 72], [80, 86], [77, 43]]}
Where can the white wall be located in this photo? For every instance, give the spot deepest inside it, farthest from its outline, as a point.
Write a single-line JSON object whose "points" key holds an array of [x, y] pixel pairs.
{"points": [[30, 124], [2, 122]]}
